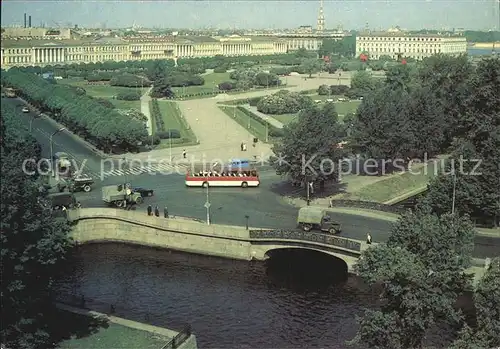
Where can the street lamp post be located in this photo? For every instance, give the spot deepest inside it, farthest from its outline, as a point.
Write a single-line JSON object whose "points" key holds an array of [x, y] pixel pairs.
{"points": [[207, 204], [52, 144], [170, 144], [454, 192]]}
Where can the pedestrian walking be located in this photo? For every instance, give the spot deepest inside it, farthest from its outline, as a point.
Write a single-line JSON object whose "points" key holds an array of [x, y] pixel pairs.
{"points": [[368, 239], [150, 210], [165, 212], [184, 153], [241, 146], [157, 211]]}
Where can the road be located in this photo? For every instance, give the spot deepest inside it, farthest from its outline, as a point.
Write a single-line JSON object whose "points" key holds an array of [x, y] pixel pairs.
{"points": [[265, 208]]}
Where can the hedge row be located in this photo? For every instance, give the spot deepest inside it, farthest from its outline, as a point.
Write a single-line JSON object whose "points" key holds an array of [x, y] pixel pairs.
{"points": [[129, 95], [156, 116], [368, 205], [273, 131], [83, 115], [161, 131]]}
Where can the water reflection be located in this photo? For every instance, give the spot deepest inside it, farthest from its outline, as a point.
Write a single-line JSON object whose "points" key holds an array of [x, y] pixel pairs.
{"points": [[292, 300]]}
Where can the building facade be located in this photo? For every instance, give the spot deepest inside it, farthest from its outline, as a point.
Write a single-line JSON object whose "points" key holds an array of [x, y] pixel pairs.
{"points": [[404, 45], [52, 52]]}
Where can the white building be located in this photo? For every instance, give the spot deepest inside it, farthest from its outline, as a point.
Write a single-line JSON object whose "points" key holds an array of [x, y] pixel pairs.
{"points": [[405, 45]]}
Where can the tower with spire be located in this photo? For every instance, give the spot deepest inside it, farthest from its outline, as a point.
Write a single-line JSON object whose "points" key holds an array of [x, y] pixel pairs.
{"points": [[320, 26]]}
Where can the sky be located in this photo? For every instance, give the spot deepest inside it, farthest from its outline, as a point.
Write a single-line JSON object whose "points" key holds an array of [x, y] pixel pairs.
{"points": [[351, 14]]}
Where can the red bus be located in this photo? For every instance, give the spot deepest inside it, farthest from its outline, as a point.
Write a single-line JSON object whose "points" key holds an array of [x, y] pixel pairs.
{"points": [[227, 177]]}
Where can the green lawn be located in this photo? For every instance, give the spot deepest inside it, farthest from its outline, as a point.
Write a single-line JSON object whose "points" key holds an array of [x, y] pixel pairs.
{"points": [[388, 187], [174, 120], [212, 82], [78, 331], [105, 91], [252, 125], [285, 118], [343, 108]]}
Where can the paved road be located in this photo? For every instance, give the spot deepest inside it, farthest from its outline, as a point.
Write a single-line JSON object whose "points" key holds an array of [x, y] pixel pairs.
{"points": [[229, 205], [145, 99]]}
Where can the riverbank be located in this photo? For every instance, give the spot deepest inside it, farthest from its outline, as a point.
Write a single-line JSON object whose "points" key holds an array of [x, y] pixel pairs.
{"points": [[81, 328]]}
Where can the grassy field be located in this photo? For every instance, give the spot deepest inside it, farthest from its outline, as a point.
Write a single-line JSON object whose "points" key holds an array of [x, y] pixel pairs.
{"points": [[284, 118], [212, 82], [382, 189], [343, 108], [174, 120], [252, 125], [85, 332], [105, 92]]}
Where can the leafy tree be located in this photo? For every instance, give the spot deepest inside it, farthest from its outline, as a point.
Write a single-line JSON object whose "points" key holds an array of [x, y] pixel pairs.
{"points": [[449, 78], [479, 145], [129, 95], [311, 66], [487, 304], [363, 83], [157, 71], [308, 146], [162, 89], [421, 269], [33, 242], [82, 114]]}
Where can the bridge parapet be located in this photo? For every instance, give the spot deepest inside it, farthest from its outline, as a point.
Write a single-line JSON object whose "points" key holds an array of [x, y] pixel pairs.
{"points": [[339, 243]]}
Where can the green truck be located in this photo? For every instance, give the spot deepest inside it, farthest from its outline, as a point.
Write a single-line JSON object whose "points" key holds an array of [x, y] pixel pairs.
{"points": [[120, 195], [316, 218]]}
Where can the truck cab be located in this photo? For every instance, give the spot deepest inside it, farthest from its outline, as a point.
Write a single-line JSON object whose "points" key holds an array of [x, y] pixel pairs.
{"points": [[316, 218]]}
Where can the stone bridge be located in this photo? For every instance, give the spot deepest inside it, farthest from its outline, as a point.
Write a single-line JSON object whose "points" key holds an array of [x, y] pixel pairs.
{"points": [[93, 225]]}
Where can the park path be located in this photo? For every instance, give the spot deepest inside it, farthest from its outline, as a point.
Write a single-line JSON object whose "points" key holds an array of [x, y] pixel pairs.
{"points": [[219, 136], [145, 99], [263, 116]]}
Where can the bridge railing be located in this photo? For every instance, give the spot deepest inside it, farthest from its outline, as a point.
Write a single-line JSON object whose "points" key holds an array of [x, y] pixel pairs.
{"points": [[325, 239]]}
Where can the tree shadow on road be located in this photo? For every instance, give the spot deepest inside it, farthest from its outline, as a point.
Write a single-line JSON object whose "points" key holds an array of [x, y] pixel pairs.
{"points": [[287, 189]]}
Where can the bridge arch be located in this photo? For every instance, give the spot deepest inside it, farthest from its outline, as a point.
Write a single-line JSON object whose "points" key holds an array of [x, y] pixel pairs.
{"points": [[338, 258], [264, 251]]}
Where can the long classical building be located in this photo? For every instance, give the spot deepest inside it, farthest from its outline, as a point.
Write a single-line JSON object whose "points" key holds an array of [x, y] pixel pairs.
{"points": [[405, 45], [51, 52]]}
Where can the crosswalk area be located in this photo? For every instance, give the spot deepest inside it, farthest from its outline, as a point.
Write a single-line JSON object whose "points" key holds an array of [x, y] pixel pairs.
{"points": [[153, 169]]}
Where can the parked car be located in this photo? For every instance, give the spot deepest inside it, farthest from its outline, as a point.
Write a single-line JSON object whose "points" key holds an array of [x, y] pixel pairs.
{"points": [[25, 110], [144, 192]]}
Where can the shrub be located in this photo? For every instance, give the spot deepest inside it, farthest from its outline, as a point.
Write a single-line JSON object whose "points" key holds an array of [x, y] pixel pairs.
{"points": [[100, 76], [283, 102], [221, 69], [226, 86], [169, 133], [324, 90], [156, 116], [129, 96], [105, 103], [180, 79], [129, 80], [339, 89]]}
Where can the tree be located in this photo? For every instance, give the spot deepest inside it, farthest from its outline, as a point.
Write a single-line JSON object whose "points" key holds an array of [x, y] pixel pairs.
{"points": [[85, 116], [475, 152], [308, 147], [487, 304], [311, 66], [33, 242], [162, 89], [421, 269], [363, 83]]}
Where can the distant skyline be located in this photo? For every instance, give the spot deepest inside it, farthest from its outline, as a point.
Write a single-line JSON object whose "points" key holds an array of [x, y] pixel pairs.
{"points": [[197, 14]]}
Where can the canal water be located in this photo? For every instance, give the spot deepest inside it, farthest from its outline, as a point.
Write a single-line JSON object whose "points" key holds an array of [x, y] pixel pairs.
{"points": [[294, 300]]}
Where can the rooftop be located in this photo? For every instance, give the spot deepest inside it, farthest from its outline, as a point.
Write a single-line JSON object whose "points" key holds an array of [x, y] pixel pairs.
{"points": [[406, 34]]}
